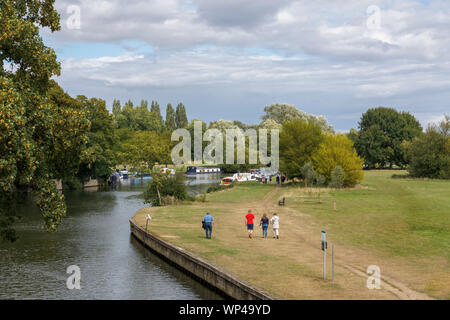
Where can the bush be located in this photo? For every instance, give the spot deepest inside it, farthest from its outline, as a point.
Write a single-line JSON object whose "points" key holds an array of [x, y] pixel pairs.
{"points": [[165, 189], [219, 187], [338, 150], [429, 155]]}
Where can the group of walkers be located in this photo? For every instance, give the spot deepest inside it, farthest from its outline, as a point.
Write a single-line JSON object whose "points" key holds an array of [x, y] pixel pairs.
{"points": [[268, 179], [208, 222], [264, 223]]}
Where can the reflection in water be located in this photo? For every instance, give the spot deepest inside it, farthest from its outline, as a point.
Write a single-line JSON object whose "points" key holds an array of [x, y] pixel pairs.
{"points": [[94, 236]]}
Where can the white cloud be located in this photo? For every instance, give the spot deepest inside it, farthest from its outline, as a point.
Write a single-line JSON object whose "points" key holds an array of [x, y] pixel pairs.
{"points": [[318, 55]]}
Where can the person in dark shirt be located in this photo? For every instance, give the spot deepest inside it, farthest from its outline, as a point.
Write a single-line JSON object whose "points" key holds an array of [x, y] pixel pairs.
{"points": [[265, 224]]}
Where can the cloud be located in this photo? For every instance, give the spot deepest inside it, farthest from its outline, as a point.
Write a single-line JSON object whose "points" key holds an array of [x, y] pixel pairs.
{"points": [[240, 56]]}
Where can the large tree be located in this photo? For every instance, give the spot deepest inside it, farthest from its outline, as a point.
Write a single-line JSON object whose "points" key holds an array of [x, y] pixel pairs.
{"points": [[381, 134], [429, 154], [337, 150], [170, 118], [101, 140], [281, 113], [181, 119], [42, 132], [299, 141]]}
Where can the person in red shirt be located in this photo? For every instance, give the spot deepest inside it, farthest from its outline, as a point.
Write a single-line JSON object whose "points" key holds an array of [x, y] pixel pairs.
{"points": [[249, 222]]}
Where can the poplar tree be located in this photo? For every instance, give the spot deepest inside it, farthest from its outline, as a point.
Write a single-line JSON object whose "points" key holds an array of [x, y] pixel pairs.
{"points": [[181, 119], [170, 118]]}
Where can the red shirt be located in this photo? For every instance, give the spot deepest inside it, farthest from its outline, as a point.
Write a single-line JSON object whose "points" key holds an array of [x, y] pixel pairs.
{"points": [[250, 218]]}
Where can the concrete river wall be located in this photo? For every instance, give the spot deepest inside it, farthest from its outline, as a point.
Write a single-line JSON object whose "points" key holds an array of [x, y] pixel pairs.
{"points": [[214, 276]]}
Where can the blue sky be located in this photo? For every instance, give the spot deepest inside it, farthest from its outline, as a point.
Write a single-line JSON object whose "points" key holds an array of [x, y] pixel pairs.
{"points": [[230, 59]]}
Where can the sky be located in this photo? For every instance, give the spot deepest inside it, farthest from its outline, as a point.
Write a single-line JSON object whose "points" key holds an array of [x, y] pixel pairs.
{"points": [[229, 59]]}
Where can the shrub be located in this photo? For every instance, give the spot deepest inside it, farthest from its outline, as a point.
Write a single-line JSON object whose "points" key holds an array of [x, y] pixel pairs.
{"points": [[219, 187], [165, 189]]}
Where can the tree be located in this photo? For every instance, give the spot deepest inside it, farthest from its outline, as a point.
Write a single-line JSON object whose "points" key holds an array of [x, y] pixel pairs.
{"points": [[101, 140], [146, 148], [42, 136], [381, 133], [308, 173], [170, 118], [181, 119], [164, 186], [157, 119], [281, 113], [337, 180], [338, 150], [429, 154], [299, 141]]}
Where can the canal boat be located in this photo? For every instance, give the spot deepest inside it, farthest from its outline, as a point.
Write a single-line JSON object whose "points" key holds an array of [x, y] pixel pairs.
{"points": [[202, 170]]}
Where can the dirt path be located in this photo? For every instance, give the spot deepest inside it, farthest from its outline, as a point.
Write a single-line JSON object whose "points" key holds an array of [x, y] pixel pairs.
{"points": [[346, 259]]}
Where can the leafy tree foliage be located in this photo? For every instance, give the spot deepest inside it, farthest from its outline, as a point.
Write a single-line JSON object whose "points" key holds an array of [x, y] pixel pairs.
{"points": [[337, 180], [164, 186], [101, 140], [181, 119], [299, 141], [382, 131], [170, 118], [281, 113], [338, 150], [429, 154], [42, 130]]}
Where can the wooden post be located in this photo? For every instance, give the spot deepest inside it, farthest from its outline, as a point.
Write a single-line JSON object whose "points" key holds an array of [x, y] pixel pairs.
{"points": [[335, 204]]}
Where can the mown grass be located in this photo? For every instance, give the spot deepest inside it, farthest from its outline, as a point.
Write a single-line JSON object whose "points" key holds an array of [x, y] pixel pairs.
{"points": [[402, 225], [408, 217]]}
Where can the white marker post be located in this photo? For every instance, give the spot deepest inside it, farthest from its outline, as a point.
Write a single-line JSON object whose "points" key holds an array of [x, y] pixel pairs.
{"points": [[146, 223], [324, 248], [332, 264]]}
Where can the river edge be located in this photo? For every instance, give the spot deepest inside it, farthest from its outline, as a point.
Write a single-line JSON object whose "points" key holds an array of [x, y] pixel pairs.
{"points": [[226, 283]]}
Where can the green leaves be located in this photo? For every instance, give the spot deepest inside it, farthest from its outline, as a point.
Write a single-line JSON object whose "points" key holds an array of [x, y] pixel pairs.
{"points": [[382, 131]]}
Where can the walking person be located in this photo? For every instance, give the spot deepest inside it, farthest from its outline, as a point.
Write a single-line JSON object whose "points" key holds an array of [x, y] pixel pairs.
{"points": [[265, 225], [208, 222], [275, 222], [249, 223]]}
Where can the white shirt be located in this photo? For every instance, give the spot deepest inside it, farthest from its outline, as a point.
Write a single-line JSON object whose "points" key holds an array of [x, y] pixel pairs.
{"points": [[275, 221]]}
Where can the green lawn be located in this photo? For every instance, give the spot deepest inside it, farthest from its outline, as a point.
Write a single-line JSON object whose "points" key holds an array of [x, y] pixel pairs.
{"points": [[406, 217], [402, 225]]}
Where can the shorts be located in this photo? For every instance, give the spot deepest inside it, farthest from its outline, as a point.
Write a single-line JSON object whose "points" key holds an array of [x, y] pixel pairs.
{"points": [[249, 227]]}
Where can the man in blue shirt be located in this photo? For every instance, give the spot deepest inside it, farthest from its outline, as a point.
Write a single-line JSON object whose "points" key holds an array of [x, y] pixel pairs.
{"points": [[208, 221]]}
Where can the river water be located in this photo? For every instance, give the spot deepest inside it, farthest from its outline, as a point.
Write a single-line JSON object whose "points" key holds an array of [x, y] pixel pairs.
{"points": [[95, 236]]}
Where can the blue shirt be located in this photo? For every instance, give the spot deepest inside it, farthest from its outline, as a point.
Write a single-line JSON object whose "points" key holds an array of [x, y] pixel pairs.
{"points": [[208, 218]]}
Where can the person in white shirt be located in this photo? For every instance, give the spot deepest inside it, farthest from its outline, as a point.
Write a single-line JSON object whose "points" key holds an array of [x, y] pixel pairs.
{"points": [[275, 222]]}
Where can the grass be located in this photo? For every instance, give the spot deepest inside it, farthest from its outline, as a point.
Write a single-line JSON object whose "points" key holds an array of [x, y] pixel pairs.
{"points": [[402, 225]]}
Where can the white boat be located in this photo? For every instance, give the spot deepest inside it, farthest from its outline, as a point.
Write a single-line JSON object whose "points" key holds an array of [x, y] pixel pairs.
{"points": [[246, 176]]}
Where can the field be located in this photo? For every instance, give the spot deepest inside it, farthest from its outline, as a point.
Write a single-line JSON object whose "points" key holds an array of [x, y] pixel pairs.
{"points": [[400, 225]]}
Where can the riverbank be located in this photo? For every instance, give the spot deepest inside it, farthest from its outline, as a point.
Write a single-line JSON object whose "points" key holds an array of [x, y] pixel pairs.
{"points": [[400, 225]]}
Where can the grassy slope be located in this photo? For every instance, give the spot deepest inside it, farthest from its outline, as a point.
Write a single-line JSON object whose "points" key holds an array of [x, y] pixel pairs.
{"points": [[401, 225]]}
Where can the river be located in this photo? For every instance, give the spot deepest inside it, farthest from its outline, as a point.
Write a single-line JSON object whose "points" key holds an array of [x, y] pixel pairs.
{"points": [[94, 236]]}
